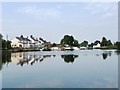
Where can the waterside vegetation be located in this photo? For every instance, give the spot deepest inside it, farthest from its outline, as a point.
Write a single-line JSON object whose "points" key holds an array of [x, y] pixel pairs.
{"points": [[68, 42]]}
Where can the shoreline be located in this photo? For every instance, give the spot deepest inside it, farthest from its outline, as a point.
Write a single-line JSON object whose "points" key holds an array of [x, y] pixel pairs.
{"points": [[14, 51]]}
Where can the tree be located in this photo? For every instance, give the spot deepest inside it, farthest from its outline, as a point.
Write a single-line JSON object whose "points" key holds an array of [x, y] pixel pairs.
{"points": [[109, 43], [91, 45], [1, 41], [8, 44], [104, 42], [4, 44], [62, 41], [96, 42], [117, 44], [104, 39], [84, 44], [76, 43], [1, 36], [69, 40]]}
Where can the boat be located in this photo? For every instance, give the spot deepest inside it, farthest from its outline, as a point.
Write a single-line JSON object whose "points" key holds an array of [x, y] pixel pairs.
{"points": [[69, 48]]}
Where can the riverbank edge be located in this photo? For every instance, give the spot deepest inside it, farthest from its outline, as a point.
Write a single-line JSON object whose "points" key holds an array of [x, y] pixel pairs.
{"points": [[16, 50]]}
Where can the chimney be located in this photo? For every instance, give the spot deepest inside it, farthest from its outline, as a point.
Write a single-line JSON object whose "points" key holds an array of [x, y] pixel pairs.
{"points": [[21, 36], [31, 36]]}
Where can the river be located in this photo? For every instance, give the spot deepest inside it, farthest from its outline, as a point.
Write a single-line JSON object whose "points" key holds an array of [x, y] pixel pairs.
{"points": [[60, 69]]}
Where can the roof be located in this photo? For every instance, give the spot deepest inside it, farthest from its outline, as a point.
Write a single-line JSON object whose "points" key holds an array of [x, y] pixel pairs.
{"points": [[33, 38], [21, 38]]}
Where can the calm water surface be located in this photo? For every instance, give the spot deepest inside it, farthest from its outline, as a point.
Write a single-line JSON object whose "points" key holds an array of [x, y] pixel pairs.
{"points": [[61, 69]]}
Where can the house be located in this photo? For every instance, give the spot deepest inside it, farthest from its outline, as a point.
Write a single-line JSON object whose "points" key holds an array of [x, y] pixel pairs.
{"points": [[29, 42], [55, 48], [96, 45], [45, 42], [35, 42], [20, 42]]}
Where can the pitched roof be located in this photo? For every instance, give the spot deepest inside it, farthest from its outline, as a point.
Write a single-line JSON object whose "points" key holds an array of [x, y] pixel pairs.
{"points": [[21, 38]]}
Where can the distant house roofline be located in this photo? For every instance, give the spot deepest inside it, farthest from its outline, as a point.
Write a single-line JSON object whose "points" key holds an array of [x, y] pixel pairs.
{"points": [[21, 38]]}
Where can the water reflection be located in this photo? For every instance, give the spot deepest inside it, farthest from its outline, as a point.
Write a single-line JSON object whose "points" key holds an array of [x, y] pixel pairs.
{"points": [[0, 65], [117, 52], [5, 58], [69, 58], [0, 60], [54, 69], [106, 54], [23, 58]]}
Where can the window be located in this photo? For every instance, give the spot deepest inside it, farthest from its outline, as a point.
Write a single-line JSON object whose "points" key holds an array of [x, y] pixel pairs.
{"points": [[20, 45]]}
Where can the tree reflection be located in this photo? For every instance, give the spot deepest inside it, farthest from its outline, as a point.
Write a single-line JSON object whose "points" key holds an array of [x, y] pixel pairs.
{"points": [[0, 60], [0, 64], [6, 58], [69, 58], [22, 58], [117, 52], [106, 54]]}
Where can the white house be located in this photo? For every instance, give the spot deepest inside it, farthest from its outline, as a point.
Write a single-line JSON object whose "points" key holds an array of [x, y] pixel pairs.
{"points": [[28, 42], [55, 48], [96, 46], [35, 42], [21, 42]]}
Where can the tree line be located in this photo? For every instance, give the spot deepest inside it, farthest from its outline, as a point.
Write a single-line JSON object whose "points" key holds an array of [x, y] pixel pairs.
{"points": [[104, 43], [71, 41]]}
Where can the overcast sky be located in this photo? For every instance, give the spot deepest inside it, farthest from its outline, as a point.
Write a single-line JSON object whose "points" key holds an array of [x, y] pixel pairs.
{"points": [[84, 20]]}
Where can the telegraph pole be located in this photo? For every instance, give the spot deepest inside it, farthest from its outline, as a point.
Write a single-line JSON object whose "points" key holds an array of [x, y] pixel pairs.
{"points": [[7, 37]]}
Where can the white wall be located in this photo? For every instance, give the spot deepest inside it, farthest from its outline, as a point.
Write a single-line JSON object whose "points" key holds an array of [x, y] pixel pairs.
{"points": [[27, 44], [15, 42]]}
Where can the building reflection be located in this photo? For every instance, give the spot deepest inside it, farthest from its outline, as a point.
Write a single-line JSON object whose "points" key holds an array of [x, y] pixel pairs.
{"points": [[25, 58], [69, 58]]}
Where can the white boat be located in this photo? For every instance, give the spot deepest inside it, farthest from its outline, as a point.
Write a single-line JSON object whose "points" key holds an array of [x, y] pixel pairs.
{"points": [[55, 48], [76, 48], [68, 48]]}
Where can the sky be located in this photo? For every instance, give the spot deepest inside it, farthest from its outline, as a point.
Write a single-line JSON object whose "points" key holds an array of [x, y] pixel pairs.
{"points": [[52, 20]]}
